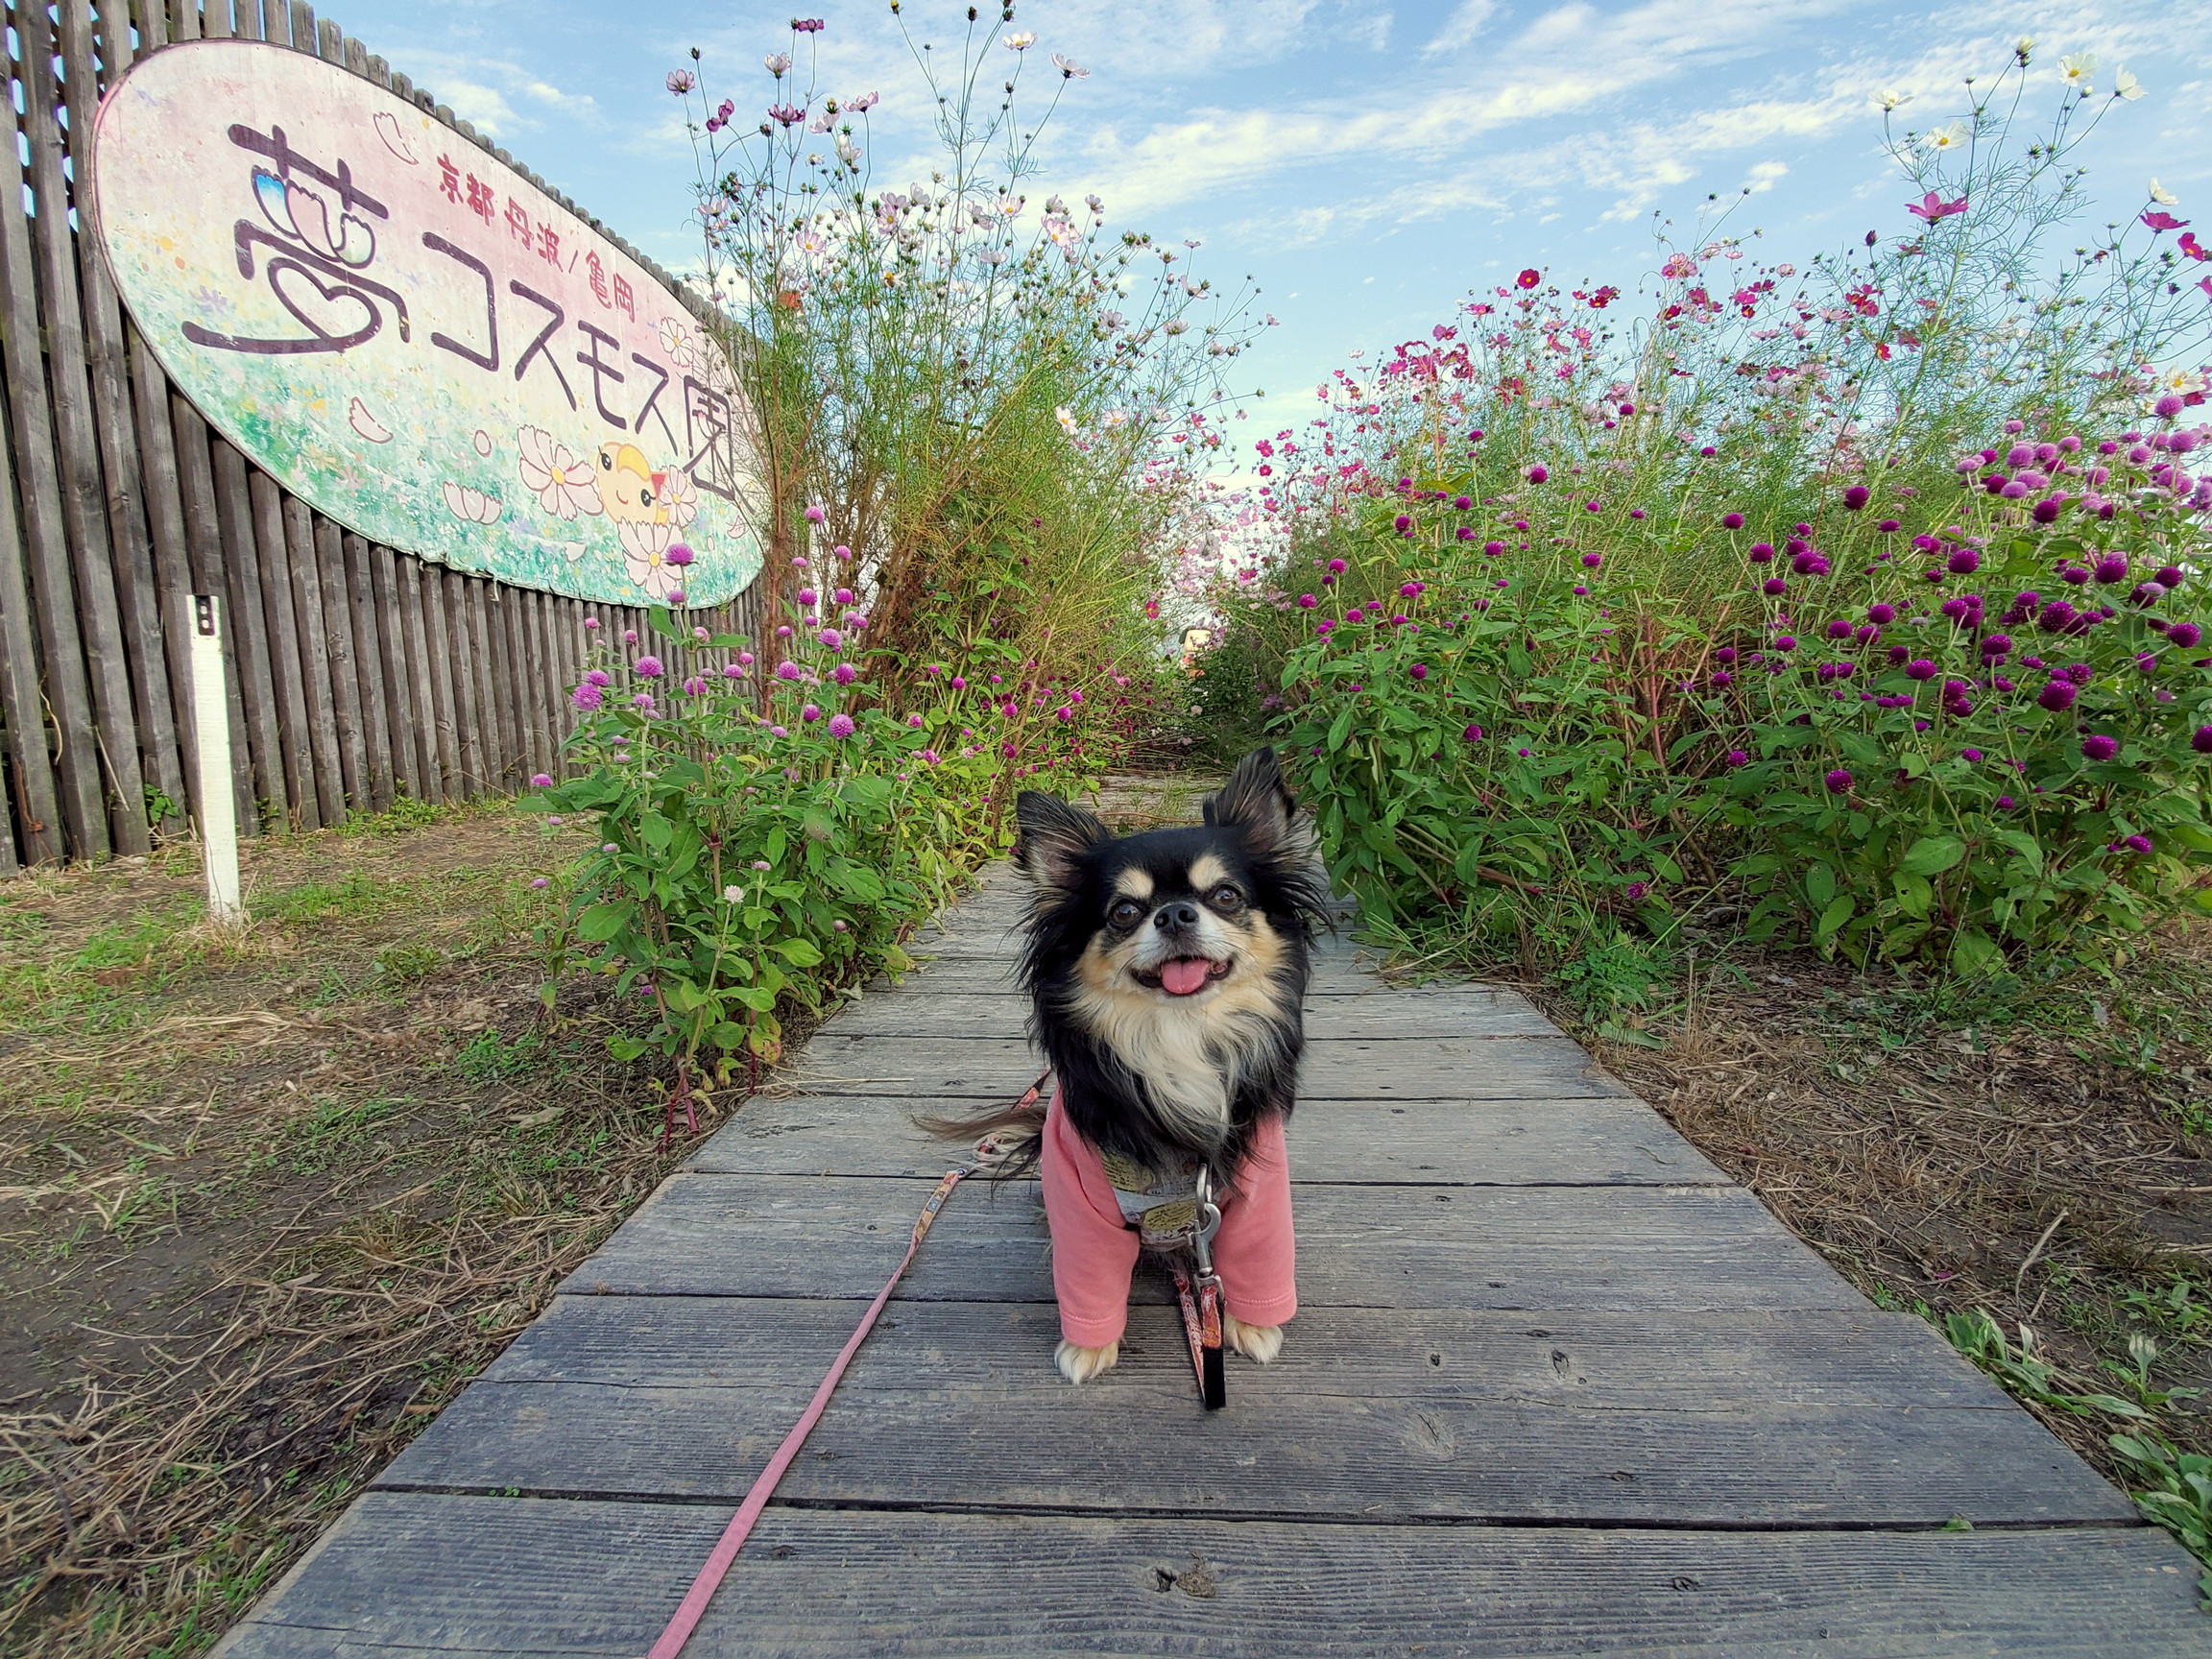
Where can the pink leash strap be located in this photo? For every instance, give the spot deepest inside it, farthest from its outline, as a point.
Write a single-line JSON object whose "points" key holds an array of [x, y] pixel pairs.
{"points": [[740, 1527]]}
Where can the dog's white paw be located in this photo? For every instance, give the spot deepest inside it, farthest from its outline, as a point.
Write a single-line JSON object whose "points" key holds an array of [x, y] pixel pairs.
{"points": [[1081, 1365], [1258, 1343]]}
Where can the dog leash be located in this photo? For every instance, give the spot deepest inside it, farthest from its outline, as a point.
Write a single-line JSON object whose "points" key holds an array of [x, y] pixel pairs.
{"points": [[1202, 1302], [725, 1552]]}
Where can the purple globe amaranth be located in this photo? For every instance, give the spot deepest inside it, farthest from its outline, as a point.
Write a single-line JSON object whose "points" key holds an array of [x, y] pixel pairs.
{"points": [[840, 725], [1474, 734], [1881, 613], [1738, 758], [1537, 474], [2201, 741], [2112, 568], [1963, 562], [1731, 520], [1839, 630], [1854, 498], [2099, 747], [649, 667], [2136, 843], [1838, 780], [2184, 633], [1919, 668], [1774, 585], [589, 697], [1420, 670], [1762, 553], [1727, 654], [2168, 577], [2058, 696]]}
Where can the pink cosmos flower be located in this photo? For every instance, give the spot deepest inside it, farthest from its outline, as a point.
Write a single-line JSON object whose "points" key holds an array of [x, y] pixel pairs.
{"points": [[1933, 207]]}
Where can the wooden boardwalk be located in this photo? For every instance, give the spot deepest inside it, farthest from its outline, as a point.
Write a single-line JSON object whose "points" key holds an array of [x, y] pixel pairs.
{"points": [[1558, 1387]]}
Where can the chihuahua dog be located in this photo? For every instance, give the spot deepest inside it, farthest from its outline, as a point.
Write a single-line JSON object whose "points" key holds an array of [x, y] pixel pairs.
{"points": [[1167, 973]]}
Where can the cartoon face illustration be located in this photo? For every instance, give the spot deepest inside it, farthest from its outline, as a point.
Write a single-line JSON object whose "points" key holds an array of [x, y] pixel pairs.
{"points": [[631, 491]]}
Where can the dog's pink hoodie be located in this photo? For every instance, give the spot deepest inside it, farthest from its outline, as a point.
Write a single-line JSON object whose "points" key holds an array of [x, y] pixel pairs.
{"points": [[1094, 1249]]}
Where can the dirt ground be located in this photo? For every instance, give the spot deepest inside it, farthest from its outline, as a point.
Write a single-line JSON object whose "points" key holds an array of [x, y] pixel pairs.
{"points": [[269, 1197]]}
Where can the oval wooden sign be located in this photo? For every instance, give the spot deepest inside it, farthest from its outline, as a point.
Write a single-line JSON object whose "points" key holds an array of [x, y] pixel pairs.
{"points": [[411, 336]]}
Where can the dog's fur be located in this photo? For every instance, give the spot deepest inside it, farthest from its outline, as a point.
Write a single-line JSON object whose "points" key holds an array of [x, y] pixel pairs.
{"points": [[1114, 928]]}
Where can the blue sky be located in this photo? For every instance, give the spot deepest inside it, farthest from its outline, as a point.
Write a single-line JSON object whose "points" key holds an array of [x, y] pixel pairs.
{"points": [[1366, 164]]}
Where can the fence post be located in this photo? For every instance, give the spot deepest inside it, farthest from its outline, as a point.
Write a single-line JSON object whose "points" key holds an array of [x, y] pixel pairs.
{"points": [[211, 727]]}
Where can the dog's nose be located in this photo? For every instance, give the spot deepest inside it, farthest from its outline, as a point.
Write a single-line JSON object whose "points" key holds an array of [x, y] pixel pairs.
{"points": [[1173, 915]]}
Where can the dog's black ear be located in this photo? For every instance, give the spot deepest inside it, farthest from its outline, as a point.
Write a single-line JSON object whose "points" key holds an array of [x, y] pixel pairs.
{"points": [[1257, 800], [1054, 838]]}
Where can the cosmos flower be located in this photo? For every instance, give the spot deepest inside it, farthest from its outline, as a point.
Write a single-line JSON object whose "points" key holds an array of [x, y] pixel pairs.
{"points": [[1951, 137], [1069, 68], [2126, 86]]}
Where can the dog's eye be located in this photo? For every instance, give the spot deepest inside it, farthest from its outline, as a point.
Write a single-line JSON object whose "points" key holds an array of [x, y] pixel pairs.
{"points": [[1127, 913], [1226, 899]]}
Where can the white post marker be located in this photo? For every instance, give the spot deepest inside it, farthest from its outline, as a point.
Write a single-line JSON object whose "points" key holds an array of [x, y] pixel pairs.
{"points": [[211, 716]]}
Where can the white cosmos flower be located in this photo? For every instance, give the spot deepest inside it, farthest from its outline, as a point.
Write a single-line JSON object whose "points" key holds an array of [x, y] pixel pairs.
{"points": [[1950, 137], [2164, 197], [2023, 46], [1066, 419], [563, 482], [777, 63], [1891, 99], [1069, 68], [2126, 86], [2077, 70], [1020, 40]]}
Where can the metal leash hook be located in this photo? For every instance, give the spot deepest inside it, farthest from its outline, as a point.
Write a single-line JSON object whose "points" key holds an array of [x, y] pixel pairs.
{"points": [[1202, 1311]]}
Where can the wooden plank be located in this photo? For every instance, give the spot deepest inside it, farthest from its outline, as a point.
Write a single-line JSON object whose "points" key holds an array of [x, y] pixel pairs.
{"points": [[499, 658], [419, 1573], [467, 711], [1379, 1413], [370, 692], [80, 790], [1333, 976], [415, 654], [1473, 1013], [530, 692], [1334, 1069], [831, 1237], [77, 443], [483, 665], [396, 672], [249, 621], [281, 629], [437, 614], [138, 606], [1602, 1142], [316, 668], [152, 19], [344, 674], [36, 802], [157, 450], [212, 573]]}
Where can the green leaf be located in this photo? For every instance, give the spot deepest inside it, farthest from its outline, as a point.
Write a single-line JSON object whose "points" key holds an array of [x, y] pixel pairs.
{"points": [[625, 1048], [1838, 913], [603, 922], [1821, 885], [799, 952], [1974, 952], [1932, 854]]}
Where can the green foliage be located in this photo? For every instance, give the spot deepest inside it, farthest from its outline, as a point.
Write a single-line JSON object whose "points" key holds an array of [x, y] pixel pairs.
{"points": [[2023, 1370], [2176, 1494]]}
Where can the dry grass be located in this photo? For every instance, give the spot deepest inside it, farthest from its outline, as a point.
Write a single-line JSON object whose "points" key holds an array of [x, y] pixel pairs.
{"points": [[269, 1197]]}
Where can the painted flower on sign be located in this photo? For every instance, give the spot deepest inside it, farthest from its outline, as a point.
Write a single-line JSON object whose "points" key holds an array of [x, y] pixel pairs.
{"points": [[470, 506], [562, 482]]}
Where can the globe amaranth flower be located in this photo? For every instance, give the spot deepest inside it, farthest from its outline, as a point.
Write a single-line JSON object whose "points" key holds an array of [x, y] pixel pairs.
{"points": [[1919, 668], [1856, 497], [2168, 577], [678, 554], [1493, 548], [540, 781], [588, 697], [2112, 568], [1774, 585], [1731, 520], [2136, 843], [1420, 670], [841, 726], [1738, 758], [2184, 635], [1762, 552], [1838, 780], [1537, 474], [590, 621], [2202, 742], [810, 713], [1593, 560], [649, 667], [2099, 747], [2058, 696], [1306, 601], [1474, 735], [786, 670], [643, 701]]}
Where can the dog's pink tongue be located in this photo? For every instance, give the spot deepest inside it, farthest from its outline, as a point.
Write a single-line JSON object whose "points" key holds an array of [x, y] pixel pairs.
{"points": [[1185, 974]]}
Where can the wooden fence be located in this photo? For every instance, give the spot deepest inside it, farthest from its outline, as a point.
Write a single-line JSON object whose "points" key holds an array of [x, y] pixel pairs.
{"points": [[357, 675]]}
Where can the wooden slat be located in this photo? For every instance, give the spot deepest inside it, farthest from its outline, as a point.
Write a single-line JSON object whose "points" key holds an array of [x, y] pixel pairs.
{"points": [[1602, 1142], [1389, 1415], [172, 553], [248, 622], [139, 613], [542, 675], [281, 628], [152, 19], [496, 683], [913, 1012], [1334, 1069], [1650, 1247], [77, 443], [483, 667], [438, 614], [396, 672], [414, 650], [37, 802], [316, 669], [213, 572], [458, 656], [68, 688], [360, 576], [344, 663], [425, 1575]]}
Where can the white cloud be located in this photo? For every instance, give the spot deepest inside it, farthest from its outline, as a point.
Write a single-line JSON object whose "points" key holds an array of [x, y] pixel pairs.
{"points": [[1463, 26]]}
